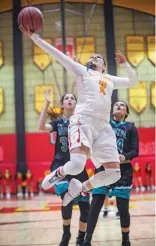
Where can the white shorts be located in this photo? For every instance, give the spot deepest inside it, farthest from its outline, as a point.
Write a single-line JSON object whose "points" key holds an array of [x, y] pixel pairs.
{"points": [[97, 135]]}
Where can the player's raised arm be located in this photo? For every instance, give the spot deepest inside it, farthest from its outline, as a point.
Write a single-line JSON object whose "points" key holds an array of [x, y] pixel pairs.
{"points": [[120, 82], [42, 119], [66, 61]]}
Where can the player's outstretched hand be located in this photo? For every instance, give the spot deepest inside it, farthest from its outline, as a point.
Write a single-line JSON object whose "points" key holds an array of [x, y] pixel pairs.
{"points": [[47, 95], [120, 58], [26, 31], [121, 158]]}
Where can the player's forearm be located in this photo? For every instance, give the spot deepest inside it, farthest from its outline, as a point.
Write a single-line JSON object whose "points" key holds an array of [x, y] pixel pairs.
{"points": [[42, 118], [131, 74], [129, 82], [66, 61]]}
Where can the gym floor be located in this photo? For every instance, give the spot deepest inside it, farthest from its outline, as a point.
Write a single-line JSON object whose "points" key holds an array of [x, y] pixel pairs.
{"points": [[37, 222]]}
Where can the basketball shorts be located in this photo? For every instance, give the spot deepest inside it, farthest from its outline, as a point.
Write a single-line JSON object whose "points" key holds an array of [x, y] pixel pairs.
{"points": [[97, 135]]}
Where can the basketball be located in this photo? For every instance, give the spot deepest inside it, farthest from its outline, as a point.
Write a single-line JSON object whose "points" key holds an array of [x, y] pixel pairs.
{"points": [[31, 17]]}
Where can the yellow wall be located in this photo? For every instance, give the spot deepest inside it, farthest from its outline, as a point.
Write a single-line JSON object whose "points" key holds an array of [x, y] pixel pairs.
{"points": [[75, 26], [128, 22], [7, 119]]}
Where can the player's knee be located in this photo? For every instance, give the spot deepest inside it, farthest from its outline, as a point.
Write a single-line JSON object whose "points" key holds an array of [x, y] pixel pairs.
{"points": [[84, 210], [114, 174], [76, 164], [67, 212]]}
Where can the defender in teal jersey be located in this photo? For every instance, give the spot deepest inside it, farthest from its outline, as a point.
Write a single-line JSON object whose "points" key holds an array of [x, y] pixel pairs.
{"points": [[127, 143], [61, 156]]}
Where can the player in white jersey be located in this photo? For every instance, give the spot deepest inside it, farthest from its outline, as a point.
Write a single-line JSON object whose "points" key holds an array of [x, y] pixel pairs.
{"points": [[89, 131]]}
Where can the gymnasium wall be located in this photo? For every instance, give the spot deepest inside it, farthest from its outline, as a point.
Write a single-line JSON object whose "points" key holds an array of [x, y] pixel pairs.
{"points": [[7, 119], [131, 22], [127, 22], [38, 148], [39, 154]]}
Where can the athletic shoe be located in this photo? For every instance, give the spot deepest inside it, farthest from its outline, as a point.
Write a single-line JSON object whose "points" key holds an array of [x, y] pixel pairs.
{"points": [[65, 239], [79, 241], [51, 179], [142, 188], [8, 196], [126, 243], [137, 189], [74, 190]]}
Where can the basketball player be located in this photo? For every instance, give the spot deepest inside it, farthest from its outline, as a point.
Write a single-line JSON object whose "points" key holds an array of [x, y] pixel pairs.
{"points": [[89, 129], [60, 126], [127, 143]]}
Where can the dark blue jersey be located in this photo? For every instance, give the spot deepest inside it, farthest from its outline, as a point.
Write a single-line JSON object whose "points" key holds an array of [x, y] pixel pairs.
{"points": [[127, 138], [60, 126]]}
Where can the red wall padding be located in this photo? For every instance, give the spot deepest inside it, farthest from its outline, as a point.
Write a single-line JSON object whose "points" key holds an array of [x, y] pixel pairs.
{"points": [[39, 152], [8, 142], [38, 147]]}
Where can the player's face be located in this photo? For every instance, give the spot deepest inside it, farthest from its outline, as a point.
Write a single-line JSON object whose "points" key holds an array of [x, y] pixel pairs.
{"points": [[120, 108], [97, 60], [69, 101]]}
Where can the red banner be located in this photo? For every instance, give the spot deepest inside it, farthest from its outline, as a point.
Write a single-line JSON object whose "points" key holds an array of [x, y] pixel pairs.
{"points": [[70, 48]]}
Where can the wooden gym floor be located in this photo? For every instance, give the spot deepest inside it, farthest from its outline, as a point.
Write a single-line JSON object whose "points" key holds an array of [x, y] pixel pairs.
{"points": [[37, 222]]}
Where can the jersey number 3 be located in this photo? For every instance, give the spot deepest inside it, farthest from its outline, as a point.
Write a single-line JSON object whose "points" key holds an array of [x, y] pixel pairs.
{"points": [[102, 86]]}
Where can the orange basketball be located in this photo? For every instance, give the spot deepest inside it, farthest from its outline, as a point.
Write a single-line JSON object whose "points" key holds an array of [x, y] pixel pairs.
{"points": [[31, 17]]}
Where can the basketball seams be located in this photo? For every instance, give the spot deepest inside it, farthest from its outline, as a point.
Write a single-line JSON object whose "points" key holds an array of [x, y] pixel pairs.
{"points": [[31, 16], [41, 18], [37, 18], [22, 17]]}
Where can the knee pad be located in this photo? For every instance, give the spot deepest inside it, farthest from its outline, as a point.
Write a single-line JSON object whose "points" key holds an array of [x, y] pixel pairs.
{"points": [[84, 210], [67, 211], [105, 178], [75, 165]]}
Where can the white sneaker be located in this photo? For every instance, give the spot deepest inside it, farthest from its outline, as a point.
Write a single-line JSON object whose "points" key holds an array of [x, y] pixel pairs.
{"points": [[19, 195], [8, 196], [142, 188], [26, 195], [137, 189], [74, 190], [51, 179]]}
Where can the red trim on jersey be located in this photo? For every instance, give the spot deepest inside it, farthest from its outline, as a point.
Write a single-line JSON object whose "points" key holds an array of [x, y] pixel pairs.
{"points": [[69, 138], [79, 124]]}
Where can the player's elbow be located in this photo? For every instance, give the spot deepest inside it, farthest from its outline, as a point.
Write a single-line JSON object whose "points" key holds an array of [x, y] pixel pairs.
{"points": [[133, 82]]}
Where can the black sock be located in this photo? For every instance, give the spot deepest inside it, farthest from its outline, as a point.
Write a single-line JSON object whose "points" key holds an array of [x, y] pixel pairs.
{"points": [[66, 229], [81, 234], [125, 236]]}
